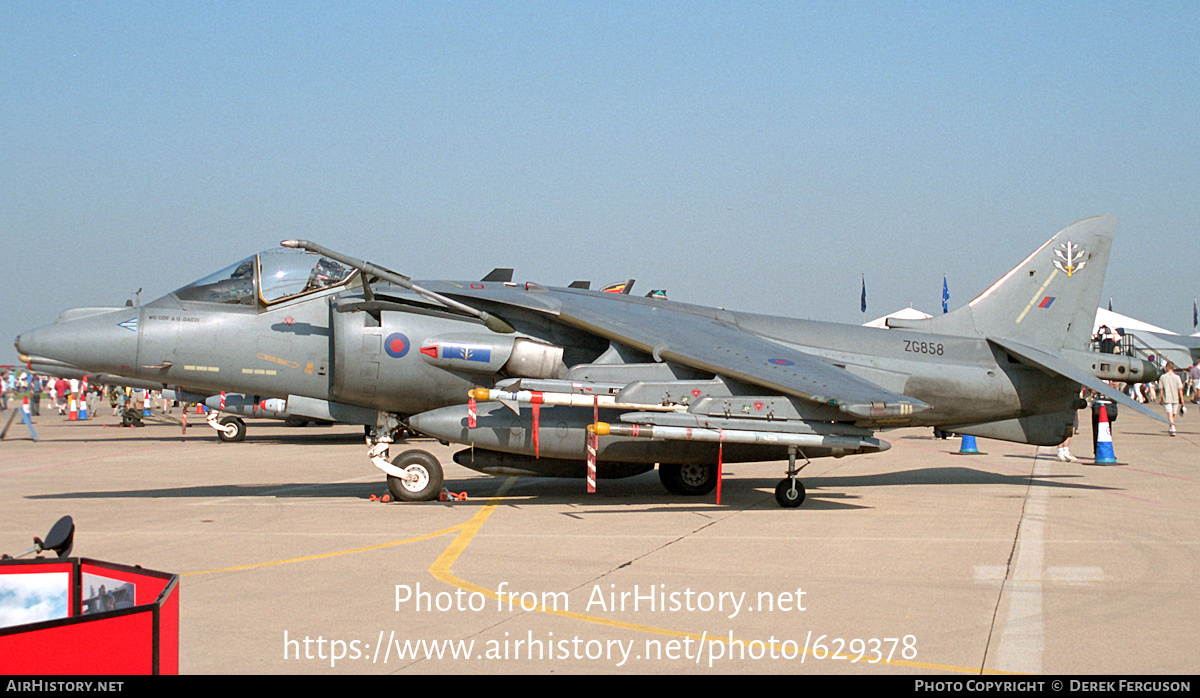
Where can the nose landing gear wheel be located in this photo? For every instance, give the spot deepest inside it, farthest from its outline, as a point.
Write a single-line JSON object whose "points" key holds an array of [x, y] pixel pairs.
{"points": [[786, 496], [426, 482], [239, 430]]}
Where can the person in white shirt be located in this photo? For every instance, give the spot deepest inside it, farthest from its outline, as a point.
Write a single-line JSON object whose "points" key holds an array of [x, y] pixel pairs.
{"points": [[1170, 394]]}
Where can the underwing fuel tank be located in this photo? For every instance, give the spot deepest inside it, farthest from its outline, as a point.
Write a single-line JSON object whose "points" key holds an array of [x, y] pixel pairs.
{"points": [[505, 464], [561, 435]]}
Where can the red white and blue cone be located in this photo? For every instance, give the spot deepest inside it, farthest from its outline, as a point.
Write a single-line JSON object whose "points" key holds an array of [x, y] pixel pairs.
{"points": [[26, 419], [1104, 446]]}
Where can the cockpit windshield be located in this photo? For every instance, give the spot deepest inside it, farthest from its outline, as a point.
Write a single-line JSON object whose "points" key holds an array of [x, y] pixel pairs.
{"points": [[281, 274], [234, 284]]}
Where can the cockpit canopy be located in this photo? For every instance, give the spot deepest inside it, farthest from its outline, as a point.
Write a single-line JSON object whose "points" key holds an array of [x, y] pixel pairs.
{"points": [[268, 277]]}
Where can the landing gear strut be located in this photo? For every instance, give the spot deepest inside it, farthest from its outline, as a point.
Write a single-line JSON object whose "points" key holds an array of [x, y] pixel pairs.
{"points": [[412, 476], [229, 429], [790, 492]]}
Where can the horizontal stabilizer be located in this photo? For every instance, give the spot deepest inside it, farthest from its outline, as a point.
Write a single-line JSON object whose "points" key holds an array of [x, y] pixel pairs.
{"points": [[1056, 364], [499, 274]]}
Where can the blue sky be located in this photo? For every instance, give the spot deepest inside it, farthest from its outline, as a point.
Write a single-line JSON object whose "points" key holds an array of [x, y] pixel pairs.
{"points": [[758, 156], [33, 597]]}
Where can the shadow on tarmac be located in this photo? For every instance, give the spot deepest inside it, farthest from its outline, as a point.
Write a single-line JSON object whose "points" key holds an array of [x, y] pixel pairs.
{"points": [[824, 492]]}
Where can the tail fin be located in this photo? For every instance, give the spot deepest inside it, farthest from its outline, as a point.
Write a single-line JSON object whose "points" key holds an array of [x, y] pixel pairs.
{"points": [[1048, 300]]}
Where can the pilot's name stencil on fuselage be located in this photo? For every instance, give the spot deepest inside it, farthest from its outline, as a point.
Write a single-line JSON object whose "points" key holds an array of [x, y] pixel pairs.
{"points": [[277, 360]]}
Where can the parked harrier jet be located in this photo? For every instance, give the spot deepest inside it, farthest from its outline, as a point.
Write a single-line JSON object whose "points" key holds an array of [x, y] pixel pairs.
{"points": [[532, 377]]}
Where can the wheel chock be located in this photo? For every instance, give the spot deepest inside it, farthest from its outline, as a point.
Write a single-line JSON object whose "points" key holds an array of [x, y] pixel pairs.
{"points": [[448, 496]]}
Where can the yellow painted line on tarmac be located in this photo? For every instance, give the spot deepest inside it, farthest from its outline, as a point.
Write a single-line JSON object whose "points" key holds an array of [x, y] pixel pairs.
{"points": [[336, 553], [369, 548], [442, 572]]}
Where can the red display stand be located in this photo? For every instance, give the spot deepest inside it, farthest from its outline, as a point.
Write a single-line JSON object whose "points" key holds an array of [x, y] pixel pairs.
{"points": [[102, 618]]}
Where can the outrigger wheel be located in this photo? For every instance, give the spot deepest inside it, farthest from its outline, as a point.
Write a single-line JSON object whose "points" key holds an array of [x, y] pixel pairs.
{"points": [[425, 473], [691, 479], [788, 497], [790, 491]]}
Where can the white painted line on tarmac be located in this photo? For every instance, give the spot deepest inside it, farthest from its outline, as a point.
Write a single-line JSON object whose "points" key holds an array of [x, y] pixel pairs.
{"points": [[1022, 640]]}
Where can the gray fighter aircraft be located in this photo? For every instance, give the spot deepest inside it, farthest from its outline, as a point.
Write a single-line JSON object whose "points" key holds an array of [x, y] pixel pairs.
{"points": [[532, 378]]}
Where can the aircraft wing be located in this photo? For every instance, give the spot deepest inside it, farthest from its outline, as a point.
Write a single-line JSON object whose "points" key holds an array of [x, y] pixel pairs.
{"points": [[1055, 364], [705, 342]]}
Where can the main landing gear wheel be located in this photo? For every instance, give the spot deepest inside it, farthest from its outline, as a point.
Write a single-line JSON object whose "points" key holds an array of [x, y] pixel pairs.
{"points": [[691, 479], [239, 430], [786, 496], [426, 472]]}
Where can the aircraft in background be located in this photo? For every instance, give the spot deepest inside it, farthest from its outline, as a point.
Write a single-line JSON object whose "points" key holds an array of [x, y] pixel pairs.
{"points": [[1148, 341], [527, 376]]}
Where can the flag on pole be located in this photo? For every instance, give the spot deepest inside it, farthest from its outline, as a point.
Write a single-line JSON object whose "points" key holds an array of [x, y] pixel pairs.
{"points": [[1195, 315], [864, 294], [945, 296]]}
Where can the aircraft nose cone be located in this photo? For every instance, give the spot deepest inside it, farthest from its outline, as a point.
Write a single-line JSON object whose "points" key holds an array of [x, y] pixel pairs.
{"points": [[24, 346], [29, 346], [91, 339], [24, 343]]}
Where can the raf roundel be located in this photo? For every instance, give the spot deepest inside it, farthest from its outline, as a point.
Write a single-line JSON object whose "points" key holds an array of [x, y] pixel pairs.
{"points": [[781, 362], [396, 345]]}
